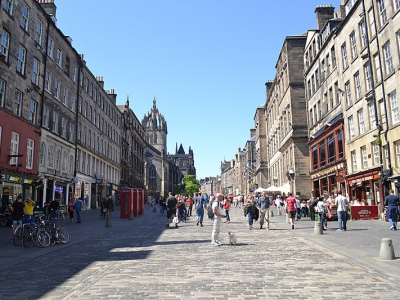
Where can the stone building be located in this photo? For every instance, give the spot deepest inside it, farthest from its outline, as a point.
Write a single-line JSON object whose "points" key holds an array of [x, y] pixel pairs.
{"points": [[132, 150], [207, 185], [261, 159], [239, 184], [367, 51], [184, 161], [286, 121], [227, 177], [249, 162], [162, 174]]}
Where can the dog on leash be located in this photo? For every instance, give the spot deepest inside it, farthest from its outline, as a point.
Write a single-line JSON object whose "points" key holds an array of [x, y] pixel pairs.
{"points": [[232, 238]]}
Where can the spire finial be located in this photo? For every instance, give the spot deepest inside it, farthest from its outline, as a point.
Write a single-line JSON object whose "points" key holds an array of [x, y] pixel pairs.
{"points": [[154, 100]]}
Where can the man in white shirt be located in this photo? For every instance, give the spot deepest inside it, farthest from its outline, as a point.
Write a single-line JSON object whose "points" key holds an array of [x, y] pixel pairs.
{"points": [[341, 203], [217, 219]]}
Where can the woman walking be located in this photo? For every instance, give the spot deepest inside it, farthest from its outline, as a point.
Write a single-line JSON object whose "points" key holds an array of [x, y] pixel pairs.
{"points": [[226, 208], [249, 210], [71, 209], [322, 210]]}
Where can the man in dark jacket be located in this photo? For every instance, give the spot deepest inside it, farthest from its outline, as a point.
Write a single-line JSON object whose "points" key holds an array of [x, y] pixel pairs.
{"points": [[171, 208], [392, 203], [313, 204], [109, 206]]}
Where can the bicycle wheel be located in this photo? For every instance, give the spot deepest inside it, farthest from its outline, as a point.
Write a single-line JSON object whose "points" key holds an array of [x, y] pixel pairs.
{"points": [[17, 236], [43, 237], [35, 239], [26, 240], [63, 235]]}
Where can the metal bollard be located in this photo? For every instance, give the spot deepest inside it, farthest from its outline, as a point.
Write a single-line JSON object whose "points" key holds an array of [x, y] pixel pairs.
{"points": [[317, 228], [387, 251], [131, 216], [271, 213]]}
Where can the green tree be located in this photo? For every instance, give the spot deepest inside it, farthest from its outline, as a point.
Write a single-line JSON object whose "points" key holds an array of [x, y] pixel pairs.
{"points": [[192, 185]]}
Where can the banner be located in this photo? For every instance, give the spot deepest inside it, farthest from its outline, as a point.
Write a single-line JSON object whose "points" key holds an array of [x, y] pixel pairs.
{"points": [[364, 212]]}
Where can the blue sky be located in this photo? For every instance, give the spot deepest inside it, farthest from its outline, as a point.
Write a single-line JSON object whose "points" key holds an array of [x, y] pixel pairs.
{"points": [[206, 61]]}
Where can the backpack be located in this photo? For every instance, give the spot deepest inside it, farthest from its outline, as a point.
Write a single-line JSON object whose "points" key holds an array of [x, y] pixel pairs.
{"points": [[210, 212]]}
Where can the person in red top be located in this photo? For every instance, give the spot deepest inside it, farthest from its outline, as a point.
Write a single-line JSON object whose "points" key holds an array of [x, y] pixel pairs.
{"points": [[291, 208], [189, 203]]}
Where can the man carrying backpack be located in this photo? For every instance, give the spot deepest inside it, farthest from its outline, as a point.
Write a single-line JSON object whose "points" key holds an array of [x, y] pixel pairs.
{"points": [[217, 220]]}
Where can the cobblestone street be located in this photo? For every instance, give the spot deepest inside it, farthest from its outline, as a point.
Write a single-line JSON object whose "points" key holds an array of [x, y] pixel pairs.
{"points": [[141, 259]]}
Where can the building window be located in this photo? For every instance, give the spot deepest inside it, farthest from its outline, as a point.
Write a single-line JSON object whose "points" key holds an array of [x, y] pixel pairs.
{"points": [[84, 135], [71, 164], [14, 148], [59, 58], [65, 96], [33, 112], [47, 80], [50, 47], [382, 12], [63, 127], [371, 110], [364, 156], [361, 123], [35, 72], [353, 44], [39, 32], [363, 33], [71, 132], [354, 160], [58, 160], [74, 73], [340, 143], [386, 151], [394, 108], [396, 4], [57, 88], [55, 122], [42, 151], [388, 59], [331, 148], [368, 77], [357, 84], [337, 93], [85, 107], [348, 93], [45, 117], [25, 16], [5, 44], [344, 56], [18, 103], [152, 175], [2, 92], [21, 60], [8, 6], [72, 102], [64, 162], [377, 68], [375, 152], [351, 127], [29, 154], [333, 55], [397, 152]]}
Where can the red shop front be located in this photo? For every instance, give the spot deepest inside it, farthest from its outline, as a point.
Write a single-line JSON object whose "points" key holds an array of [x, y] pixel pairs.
{"points": [[365, 186]]}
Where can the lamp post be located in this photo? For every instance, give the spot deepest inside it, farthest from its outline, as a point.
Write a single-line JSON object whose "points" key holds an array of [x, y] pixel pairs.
{"points": [[291, 179]]}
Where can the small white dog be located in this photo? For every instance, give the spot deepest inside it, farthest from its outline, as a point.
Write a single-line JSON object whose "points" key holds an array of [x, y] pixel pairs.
{"points": [[232, 238]]}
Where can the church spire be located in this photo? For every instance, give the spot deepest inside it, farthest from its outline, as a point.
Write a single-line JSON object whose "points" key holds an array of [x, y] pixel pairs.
{"points": [[154, 101]]}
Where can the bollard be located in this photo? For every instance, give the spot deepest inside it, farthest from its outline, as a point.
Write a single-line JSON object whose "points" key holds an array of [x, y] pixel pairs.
{"points": [[271, 213], [317, 228], [108, 222], [131, 216], [387, 250], [287, 219]]}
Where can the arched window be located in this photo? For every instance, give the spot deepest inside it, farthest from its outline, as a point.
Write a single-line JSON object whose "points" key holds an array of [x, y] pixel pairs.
{"points": [[152, 175], [42, 151], [50, 156], [64, 163], [155, 139], [58, 160], [71, 164]]}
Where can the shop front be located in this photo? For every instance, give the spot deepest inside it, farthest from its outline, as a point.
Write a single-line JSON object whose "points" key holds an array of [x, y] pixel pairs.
{"points": [[83, 189], [113, 191], [328, 181], [365, 186], [13, 185]]}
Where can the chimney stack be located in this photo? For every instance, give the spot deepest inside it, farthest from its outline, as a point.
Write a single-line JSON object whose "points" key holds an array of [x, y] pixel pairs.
{"points": [[49, 7], [112, 95], [100, 80], [324, 13], [252, 132]]}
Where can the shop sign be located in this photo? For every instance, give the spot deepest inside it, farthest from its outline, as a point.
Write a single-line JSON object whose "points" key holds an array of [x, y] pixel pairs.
{"points": [[366, 178], [339, 178], [114, 187], [99, 181], [364, 212], [324, 172], [28, 181], [13, 178]]}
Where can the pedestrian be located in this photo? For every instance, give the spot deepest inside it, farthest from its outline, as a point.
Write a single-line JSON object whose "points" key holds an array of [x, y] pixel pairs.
{"points": [[291, 208], [392, 203], [279, 204], [199, 204], [190, 206], [240, 200], [263, 205], [103, 207], [322, 210], [249, 211], [226, 205], [217, 220], [341, 203], [313, 205], [304, 208], [55, 205], [298, 211], [171, 208], [78, 209], [181, 210], [162, 205], [28, 210], [110, 207], [17, 213], [71, 209]]}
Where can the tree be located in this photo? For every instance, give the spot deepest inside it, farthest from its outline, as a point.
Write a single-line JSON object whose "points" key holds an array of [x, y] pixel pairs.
{"points": [[192, 185]]}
